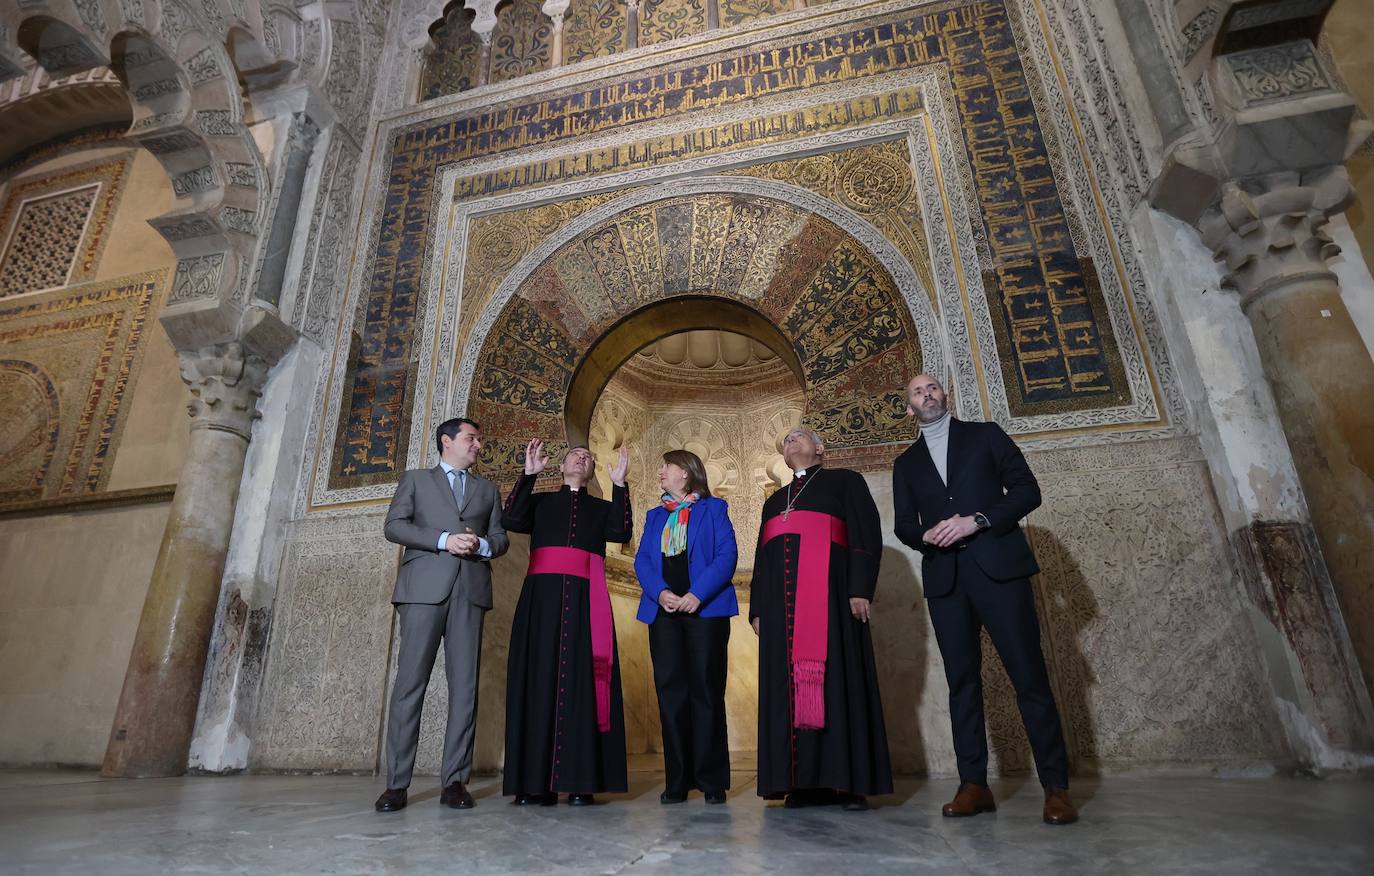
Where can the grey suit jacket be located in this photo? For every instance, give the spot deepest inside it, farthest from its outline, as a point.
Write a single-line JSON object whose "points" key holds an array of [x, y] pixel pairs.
{"points": [[423, 508]]}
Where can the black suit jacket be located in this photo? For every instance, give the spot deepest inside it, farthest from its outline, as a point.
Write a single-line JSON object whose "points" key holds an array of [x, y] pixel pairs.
{"points": [[987, 473]]}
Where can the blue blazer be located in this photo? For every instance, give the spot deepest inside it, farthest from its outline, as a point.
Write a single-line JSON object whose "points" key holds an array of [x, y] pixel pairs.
{"points": [[711, 556]]}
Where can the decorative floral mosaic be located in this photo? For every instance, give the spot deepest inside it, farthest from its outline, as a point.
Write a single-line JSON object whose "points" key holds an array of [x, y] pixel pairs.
{"points": [[740, 11], [451, 66], [593, 29], [522, 41], [663, 20]]}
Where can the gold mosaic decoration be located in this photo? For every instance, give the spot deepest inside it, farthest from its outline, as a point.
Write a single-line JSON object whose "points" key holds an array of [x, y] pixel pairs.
{"points": [[739, 11], [663, 20], [1033, 267], [850, 329], [874, 181], [67, 359], [593, 29]]}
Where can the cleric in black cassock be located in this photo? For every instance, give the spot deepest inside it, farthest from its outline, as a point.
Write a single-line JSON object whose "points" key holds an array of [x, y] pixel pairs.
{"points": [[821, 733], [565, 726]]}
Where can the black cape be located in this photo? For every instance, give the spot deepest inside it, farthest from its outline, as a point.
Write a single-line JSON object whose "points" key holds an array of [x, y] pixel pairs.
{"points": [[552, 741], [850, 752]]}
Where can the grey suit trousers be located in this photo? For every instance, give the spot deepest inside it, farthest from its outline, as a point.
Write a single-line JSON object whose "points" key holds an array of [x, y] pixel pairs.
{"points": [[458, 622]]}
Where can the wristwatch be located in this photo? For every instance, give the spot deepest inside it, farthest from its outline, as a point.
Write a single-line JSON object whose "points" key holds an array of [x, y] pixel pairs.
{"points": [[981, 519]]}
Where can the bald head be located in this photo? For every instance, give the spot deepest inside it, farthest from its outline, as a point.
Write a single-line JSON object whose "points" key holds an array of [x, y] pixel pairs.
{"points": [[926, 399]]}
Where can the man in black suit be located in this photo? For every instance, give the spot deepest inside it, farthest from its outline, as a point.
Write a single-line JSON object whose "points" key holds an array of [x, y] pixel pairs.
{"points": [[960, 493]]}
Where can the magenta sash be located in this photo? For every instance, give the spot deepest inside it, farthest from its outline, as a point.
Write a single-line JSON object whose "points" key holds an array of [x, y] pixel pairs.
{"points": [[811, 619], [578, 563]]}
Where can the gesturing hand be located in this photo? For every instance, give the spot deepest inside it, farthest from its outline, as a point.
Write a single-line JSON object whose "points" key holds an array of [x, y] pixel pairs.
{"points": [[622, 466], [535, 457], [947, 532]]}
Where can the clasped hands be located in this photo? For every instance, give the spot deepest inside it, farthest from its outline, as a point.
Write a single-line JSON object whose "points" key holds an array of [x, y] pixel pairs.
{"points": [[672, 603], [463, 544], [950, 531]]}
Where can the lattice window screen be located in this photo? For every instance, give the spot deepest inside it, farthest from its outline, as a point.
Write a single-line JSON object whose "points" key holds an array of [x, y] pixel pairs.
{"points": [[42, 245]]}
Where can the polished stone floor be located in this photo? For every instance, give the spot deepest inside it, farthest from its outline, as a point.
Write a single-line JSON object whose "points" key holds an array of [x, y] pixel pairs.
{"points": [[71, 821]]}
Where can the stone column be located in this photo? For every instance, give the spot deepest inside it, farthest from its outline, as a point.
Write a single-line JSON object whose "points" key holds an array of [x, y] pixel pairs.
{"points": [[483, 23], [712, 14], [555, 10], [1268, 232], [157, 707], [632, 24]]}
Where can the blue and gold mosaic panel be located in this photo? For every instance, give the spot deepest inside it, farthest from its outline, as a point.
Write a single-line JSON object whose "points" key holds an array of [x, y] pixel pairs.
{"points": [[452, 65], [522, 41]]}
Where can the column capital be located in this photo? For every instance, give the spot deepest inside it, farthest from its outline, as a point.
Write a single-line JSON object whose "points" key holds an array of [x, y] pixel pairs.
{"points": [[1269, 231], [226, 383], [484, 21], [556, 9]]}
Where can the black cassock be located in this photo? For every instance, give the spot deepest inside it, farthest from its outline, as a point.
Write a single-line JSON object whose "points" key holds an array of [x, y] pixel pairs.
{"points": [[552, 740], [849, 753]]}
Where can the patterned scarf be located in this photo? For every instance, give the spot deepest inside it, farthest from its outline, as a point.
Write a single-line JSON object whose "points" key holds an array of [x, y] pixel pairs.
{"points": [[675, 530]]}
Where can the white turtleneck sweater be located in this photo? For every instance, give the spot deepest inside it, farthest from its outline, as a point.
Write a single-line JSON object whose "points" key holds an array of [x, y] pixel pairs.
{"points": [[937, 442]]}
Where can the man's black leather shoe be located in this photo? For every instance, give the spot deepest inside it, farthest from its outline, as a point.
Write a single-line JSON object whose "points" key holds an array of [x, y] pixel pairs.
{"points": [[392, 800]]}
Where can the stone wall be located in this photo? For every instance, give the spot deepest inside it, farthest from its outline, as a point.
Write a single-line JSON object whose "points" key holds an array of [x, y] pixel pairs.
{"points": [[73, 581], [1151, 655]]}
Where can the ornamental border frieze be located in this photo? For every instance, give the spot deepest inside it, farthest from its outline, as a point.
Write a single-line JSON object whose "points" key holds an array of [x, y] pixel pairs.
{"points": [[1137, 337]]}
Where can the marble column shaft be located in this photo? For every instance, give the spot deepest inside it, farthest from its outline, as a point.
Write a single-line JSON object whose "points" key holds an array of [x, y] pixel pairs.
{"points": [[1270, 235], [153, 723]]}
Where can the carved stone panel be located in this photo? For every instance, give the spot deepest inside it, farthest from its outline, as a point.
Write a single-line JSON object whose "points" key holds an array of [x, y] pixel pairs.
{"points": [[327, 662]]}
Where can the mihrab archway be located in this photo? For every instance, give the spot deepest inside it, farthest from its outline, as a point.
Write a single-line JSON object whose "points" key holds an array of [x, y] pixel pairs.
{"points": [[762, 259]]}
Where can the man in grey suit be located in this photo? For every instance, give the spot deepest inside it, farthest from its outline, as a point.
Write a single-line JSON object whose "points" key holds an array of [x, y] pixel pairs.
{"points": [[449, 521]]}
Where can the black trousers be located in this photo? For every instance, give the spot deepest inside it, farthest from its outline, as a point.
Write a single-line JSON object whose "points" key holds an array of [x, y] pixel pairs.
{"points": [[1007, 610], [689, 657]]}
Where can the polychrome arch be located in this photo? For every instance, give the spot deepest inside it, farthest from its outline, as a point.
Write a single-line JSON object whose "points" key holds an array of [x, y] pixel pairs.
{"points": [[847, 305]]}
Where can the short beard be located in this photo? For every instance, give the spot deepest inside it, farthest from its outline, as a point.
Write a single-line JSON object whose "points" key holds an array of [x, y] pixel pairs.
{"points": [[921, 414]]}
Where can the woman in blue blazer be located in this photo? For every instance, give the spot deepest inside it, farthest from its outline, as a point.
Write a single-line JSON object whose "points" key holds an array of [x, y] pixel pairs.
{"points": [[685, 561]]}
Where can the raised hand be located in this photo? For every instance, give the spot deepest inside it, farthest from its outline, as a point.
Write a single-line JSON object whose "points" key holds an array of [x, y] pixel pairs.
{"points": [[535, 457], [622, 466]]}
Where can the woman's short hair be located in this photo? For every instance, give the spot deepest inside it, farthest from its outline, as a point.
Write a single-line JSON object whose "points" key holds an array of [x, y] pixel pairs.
{"points": [[696, 471]]}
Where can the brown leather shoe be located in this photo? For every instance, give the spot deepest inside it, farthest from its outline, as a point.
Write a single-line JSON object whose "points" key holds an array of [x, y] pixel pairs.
{"points": [[392, 800], [1058, 807], [971, 799], [455, 796]]}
